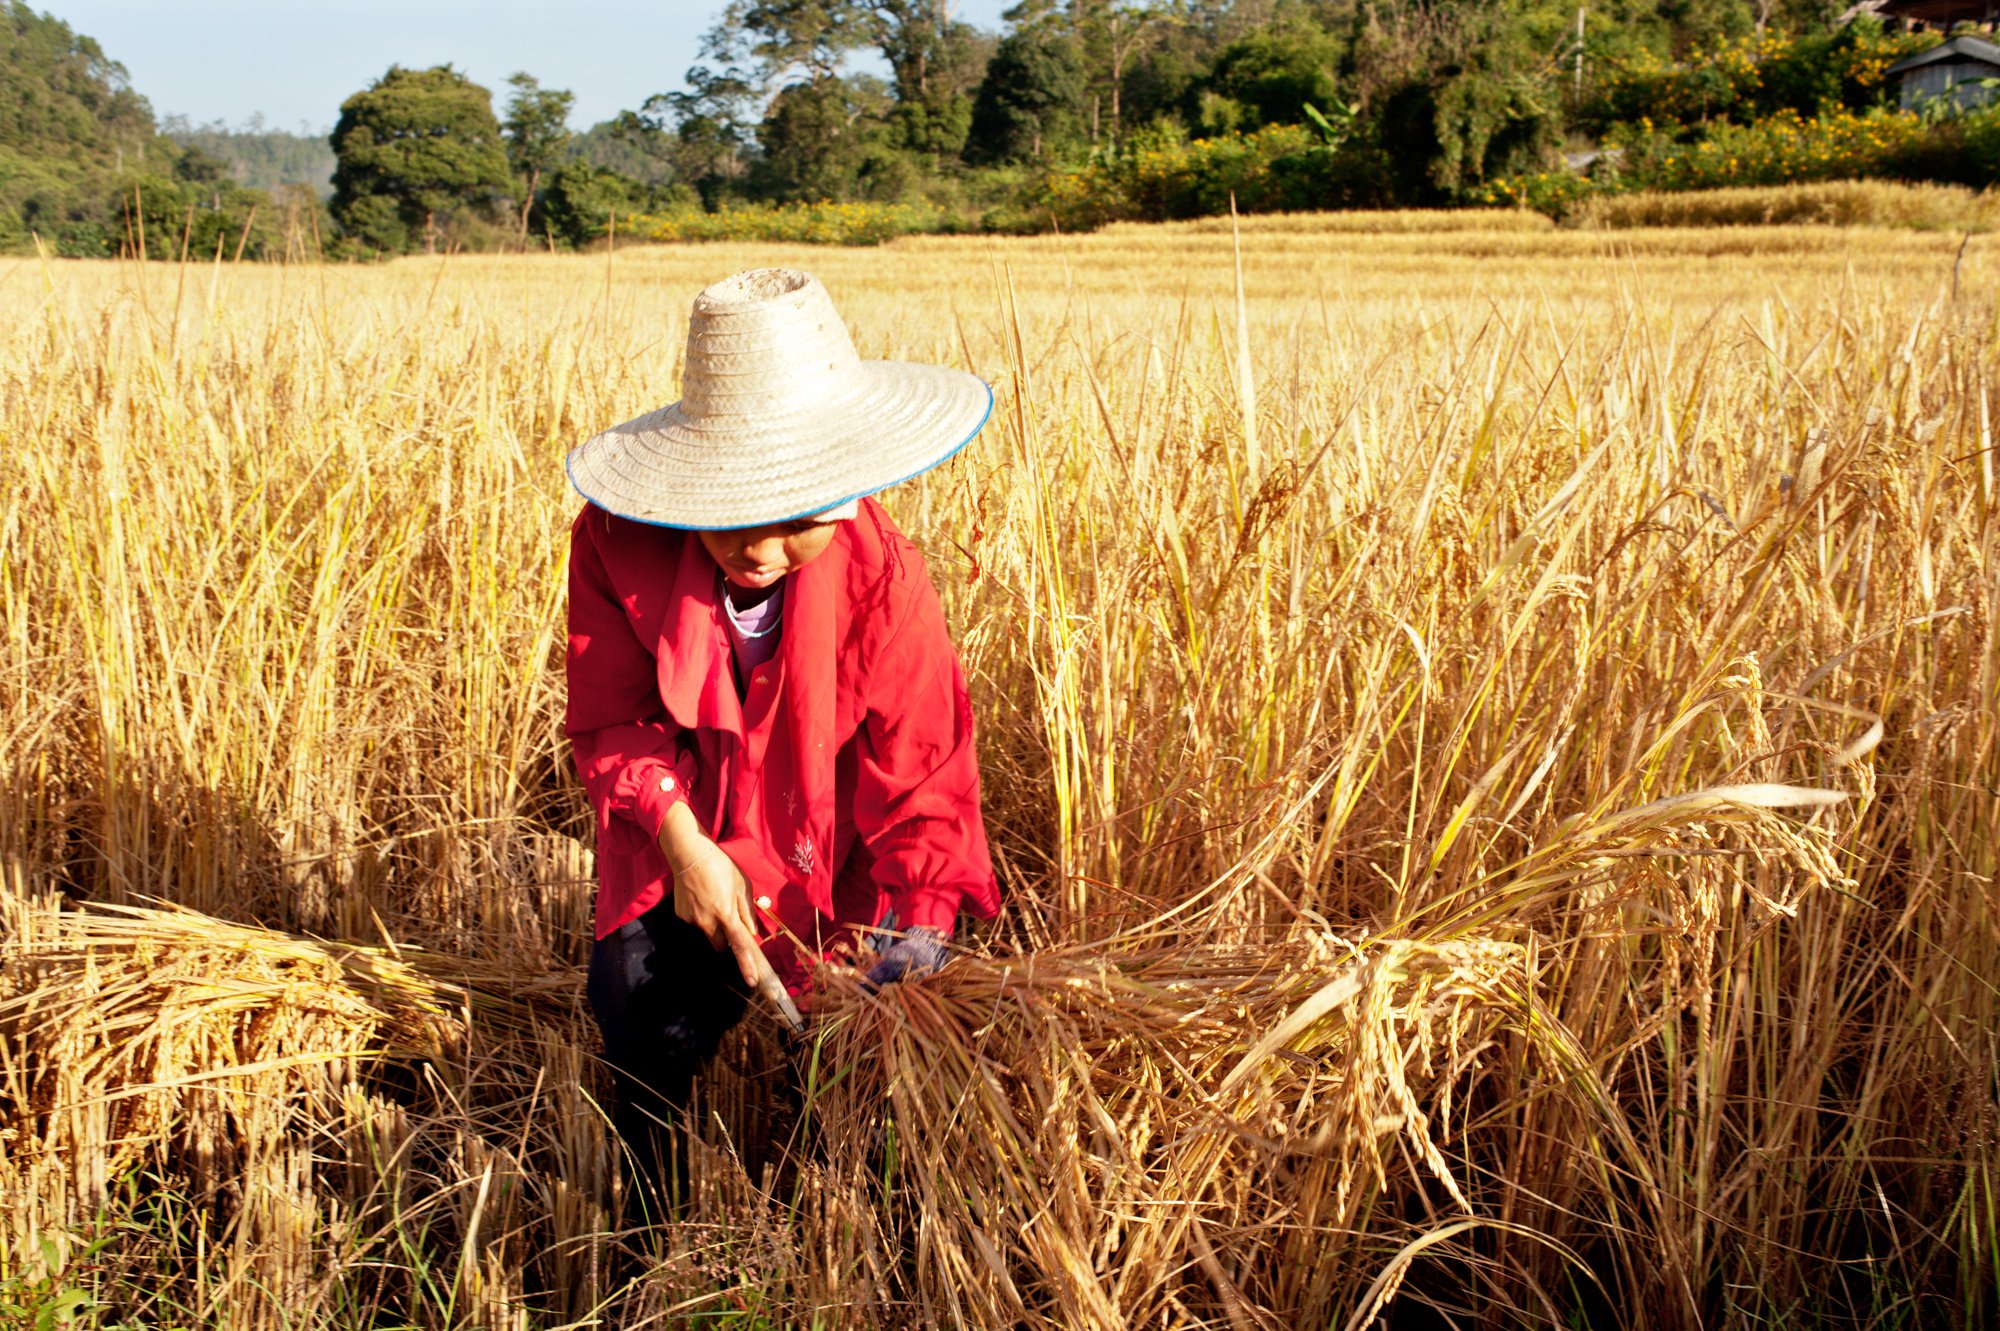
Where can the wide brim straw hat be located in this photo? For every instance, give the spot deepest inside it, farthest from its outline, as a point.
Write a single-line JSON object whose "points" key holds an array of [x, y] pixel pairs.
{"points": [[779, 418]]}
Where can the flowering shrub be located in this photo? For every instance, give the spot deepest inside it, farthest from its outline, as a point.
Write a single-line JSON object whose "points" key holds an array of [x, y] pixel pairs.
{"points": [[798, 223], [1780, 150], [1159, 174], [1749, 78], [1555, 193]]}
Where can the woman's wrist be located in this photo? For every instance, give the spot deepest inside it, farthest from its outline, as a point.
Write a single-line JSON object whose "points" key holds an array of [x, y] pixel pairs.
{"points": [[681, 838]]}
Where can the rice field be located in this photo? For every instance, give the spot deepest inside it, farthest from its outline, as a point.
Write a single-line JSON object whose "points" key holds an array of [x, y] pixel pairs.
{"points": [[1489, 736]]}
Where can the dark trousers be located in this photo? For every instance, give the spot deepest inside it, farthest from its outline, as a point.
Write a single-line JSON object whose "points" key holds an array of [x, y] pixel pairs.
{"points": [[663, 998]]}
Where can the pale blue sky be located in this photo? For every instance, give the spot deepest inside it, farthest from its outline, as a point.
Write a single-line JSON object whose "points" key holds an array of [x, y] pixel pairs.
{"points": [[295, 63]]}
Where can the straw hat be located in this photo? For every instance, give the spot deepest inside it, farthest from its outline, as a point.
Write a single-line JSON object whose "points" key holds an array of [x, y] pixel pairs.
{"points": [[779, 418]]}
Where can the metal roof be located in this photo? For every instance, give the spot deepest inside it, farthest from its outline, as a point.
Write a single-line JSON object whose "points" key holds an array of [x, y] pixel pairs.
{"points": [[1958, 48], [1939, 14]]}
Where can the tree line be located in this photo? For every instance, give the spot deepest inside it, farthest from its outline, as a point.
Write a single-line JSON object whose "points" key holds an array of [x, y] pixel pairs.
{"points": [[1281, 103]]}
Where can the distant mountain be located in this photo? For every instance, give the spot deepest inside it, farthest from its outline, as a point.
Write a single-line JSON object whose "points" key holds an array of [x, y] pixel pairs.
{"points": [[260, 157], [629, 147]]}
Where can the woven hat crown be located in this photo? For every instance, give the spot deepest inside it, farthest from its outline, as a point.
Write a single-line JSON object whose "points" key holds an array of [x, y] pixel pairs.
{"points": [[764, 343]]}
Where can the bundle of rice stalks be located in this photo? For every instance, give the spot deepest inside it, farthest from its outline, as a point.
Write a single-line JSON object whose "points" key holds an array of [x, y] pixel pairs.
{"points": [[205, 1058], [1084, 1137], [1142, 1130], [1148, 1131]]}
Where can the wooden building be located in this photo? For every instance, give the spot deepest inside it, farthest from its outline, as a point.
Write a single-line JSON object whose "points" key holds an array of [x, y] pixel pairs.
{"points": [[1954, 70]]}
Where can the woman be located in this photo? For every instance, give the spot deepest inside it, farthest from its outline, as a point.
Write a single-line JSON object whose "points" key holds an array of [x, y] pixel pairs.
{"points": [[766, 710]]}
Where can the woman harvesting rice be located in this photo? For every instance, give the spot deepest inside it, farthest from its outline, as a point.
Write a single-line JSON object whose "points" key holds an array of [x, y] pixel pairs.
{"points": [[766, 710]]}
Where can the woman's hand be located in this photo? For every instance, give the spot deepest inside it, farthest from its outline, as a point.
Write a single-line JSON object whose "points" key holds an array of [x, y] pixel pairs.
{"points": [[710, 893], [921, 951]]}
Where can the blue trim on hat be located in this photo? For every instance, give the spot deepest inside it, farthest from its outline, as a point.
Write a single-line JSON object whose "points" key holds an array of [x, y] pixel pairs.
{"points": [[858, 494]]}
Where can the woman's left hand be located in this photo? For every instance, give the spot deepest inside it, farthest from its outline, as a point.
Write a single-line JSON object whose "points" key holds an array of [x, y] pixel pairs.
{"points": [[921, 951]]}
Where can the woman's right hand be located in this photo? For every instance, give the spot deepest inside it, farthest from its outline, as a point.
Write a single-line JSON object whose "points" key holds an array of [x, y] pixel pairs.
{"points": [[710, 892]]}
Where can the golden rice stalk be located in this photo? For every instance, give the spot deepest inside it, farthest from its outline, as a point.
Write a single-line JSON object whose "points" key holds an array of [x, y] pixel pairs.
{"points": [[1080, 1138], [161, 1036]]}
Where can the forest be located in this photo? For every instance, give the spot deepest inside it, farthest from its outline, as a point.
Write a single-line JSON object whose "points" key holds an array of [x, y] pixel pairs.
{"points": [[861, 119]]}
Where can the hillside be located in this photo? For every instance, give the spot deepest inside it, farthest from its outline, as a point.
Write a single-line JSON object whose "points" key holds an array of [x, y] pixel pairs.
{"points": [[258, 156], [85, 171], [70, 128]]}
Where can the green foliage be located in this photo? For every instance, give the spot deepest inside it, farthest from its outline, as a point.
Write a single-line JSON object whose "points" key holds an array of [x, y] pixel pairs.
{"points": [[1749, 78], [1031, 105], [1292, 104], [537, 132], [712, 131], [938, 67], [1962, 149], [825, 140], [1274, 75], [793, 223], [48, 1300], [65, 97], [82, 169], [582, 201], [375, 226], [1555, 194], [630, 146], [937, 127], [199, 213], [419, 151], [1489, 123], [1160, 175], [1306, 105], [1164, 81], [1439, 100], [1782, 149], [71, 132]]}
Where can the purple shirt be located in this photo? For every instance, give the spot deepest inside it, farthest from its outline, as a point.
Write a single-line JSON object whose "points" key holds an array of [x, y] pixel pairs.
{"points": [[753, 633]]}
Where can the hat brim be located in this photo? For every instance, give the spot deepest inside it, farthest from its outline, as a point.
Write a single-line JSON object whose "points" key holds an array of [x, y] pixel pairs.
{"points": [[671, 469]]}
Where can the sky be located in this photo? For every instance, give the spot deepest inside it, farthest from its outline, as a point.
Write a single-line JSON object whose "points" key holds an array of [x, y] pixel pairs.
{"points": [[295, 63]]}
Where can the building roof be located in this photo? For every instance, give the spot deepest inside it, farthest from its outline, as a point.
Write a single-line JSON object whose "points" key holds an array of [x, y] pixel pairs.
{"points": [[1958, 48], [1937, 13]]}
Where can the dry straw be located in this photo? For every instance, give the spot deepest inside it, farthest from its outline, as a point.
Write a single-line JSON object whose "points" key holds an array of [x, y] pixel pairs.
{"points": [[1522, 849]]}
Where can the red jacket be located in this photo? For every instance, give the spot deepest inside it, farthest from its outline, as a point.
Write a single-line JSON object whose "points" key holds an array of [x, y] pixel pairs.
{"points": [[842, 784]]}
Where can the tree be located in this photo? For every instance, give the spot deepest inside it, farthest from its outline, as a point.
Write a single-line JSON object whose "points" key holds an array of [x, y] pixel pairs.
{"points": [[712, 120], [582, 200], [1274, 76], [63, 94], [936, 64], [1461, 93], [419, 146], [1111, 33], [831, 141], [791, 59], [796, 40], [1031, 102], [537, 131]]}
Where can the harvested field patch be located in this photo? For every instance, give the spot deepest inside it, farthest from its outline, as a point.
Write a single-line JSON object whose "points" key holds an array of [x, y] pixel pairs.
{"points": [[1490, 741]]}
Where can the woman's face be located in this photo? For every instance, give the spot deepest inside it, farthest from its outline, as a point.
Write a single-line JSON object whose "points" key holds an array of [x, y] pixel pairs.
{"points": [[759, 556]]}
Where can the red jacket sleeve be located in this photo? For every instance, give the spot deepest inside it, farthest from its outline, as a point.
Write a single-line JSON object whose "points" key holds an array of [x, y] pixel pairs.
{"points": [[633, 762], [916, 801]]}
